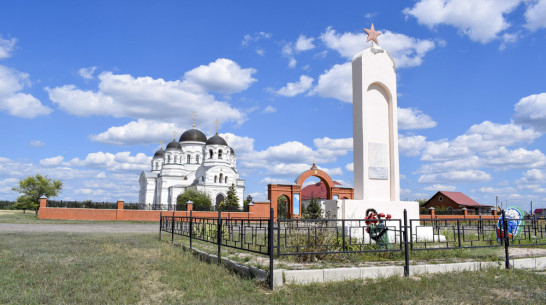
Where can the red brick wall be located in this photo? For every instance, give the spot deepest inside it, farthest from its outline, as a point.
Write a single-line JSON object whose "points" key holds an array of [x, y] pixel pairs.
{"points": [[260, 210]]}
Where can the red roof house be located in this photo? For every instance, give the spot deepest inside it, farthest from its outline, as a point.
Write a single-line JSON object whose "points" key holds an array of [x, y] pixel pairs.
{"points": [[456, 201], [315, 190]]}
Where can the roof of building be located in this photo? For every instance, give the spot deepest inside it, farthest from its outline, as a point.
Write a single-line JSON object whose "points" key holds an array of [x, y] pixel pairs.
{"points": [[317, 190], [539, 211], [462, 199], [174, 145], [160, 153], [193, 135], [216, 140]]}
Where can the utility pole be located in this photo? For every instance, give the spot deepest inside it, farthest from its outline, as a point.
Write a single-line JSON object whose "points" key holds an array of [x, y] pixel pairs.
{"points": [[497, 203], [531, 207]]}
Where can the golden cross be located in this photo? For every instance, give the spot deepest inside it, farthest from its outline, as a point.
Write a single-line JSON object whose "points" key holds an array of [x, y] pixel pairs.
{"points": [[161, 143], [174, 134], [194, 118], [217, 125]]}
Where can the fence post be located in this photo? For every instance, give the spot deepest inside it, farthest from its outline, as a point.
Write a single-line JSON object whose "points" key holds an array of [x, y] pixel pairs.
{"points": [[406, 266], [270, 246], [172, 230], [160, 224], [506, 241], [219, 236], [191, 226], [343, 233], [458, 232]]}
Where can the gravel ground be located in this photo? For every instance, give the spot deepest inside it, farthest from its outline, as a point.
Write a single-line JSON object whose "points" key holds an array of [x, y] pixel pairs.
{"points": [[81, 228]]}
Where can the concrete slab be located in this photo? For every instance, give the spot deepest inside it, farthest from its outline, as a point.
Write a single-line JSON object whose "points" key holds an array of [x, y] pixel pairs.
{"points": [[278, 278], [370, 272], [417, 269], [340, 274], [541, 263], [304, 276], [524, 263]]}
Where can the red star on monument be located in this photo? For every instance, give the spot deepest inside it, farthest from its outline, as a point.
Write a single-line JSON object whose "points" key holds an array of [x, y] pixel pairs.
{"points": [[372, 34]]}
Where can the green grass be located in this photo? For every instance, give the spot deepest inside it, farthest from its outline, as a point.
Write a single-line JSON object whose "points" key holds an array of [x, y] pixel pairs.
{"points": [[18, 217], [65, 268]]}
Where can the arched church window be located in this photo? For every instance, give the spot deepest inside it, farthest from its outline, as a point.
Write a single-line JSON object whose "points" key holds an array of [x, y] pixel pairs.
{"points": [[175, 159], [226, 179], [210, 153], [221, 178], [197, 159], [168, 158], [215, 179], [189, 159], [203, 179], [220, 154], [157, 165]]}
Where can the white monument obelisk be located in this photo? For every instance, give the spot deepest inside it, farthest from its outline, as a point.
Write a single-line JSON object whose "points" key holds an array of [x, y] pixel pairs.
{"points": [[375, 138]]}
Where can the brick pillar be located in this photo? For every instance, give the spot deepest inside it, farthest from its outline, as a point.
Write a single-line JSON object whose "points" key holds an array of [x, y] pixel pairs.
{"points": [[432, 212], [189, 206], [120, 204], [43, 202], [251, 207], [495, 213], [465, 211]]}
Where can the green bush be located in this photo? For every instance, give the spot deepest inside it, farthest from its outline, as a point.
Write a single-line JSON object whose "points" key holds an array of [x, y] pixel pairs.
{"points": [[313, 210], [201, 201]]}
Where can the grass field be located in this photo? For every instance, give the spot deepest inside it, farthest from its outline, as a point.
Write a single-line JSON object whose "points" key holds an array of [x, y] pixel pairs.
{"points": [[69, 268]]}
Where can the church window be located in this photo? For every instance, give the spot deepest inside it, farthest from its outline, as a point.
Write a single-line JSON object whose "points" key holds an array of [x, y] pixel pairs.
{"points": [[220, 154], [220, 178], [215, 179], [168, 158], [175, 159], [226, 179], [210, 153], [189, 159], [203, 179], [197, 159]]}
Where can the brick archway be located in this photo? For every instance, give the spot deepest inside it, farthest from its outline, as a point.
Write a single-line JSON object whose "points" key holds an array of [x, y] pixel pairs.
{"points": [[293, 191]]}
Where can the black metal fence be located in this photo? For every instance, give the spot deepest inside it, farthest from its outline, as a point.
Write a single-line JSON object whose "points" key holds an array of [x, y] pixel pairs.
{"points": [[81, 204], [306, 237]]}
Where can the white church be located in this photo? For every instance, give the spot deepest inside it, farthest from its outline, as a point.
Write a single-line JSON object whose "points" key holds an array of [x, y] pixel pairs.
{"points": [[206, 165]]}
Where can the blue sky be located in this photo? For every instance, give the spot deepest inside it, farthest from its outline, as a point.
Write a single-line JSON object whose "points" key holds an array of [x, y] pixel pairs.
{"points": [[89, 89]]}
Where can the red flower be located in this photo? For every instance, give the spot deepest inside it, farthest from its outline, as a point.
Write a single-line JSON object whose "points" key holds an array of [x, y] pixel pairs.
{"points": [[389, 216]]}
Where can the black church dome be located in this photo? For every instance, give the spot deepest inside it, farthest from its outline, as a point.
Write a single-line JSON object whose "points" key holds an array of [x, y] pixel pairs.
{"points": [[216, 140], [193, 135]]}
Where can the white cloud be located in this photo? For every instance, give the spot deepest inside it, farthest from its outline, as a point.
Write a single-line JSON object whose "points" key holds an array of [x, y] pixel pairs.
{"points": [[87, 73], [466, 176], [292, 62], [15, 102], [37, 143], [535, 15], [260, 51], [121, 161], [411, 146], [241, 145], [502, 158], [440, 187], [304, 44], [122, 95], [481, 20], [269, 109], [223, 76], [137, 132], [493, 190], [406, 51], [410, 118], [54, 161], [336, 83], [253, 38], [269, 180], [6, 47], [531, 111], [350, 167], [292, 89], [334, 144]]}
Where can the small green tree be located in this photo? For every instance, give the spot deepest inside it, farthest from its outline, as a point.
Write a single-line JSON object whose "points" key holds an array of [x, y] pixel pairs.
{"points": [[232, 201], [421, 202], [247, 201], [282, 209], [201, 201], [313, 210], [34, 187]]}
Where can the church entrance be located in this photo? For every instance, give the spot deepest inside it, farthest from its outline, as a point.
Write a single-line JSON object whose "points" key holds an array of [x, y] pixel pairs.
{"points": [[219, 199]]}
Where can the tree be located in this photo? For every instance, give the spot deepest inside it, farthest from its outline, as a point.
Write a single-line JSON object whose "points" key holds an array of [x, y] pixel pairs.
{"points": [[232, 201], [34, 187], [282, 209], [201, 201], [313, 210], [421, 202], [247, 201]]}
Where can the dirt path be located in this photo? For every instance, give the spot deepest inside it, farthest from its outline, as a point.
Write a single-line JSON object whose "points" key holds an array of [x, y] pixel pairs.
{"points": [[81, 228]]}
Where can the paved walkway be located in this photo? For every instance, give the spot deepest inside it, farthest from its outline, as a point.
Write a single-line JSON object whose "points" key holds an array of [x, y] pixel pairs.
{"points": [[81, 228]]}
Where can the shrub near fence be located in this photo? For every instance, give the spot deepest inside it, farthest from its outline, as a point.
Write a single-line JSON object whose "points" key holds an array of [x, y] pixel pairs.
{"points": [[81, 204]]}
